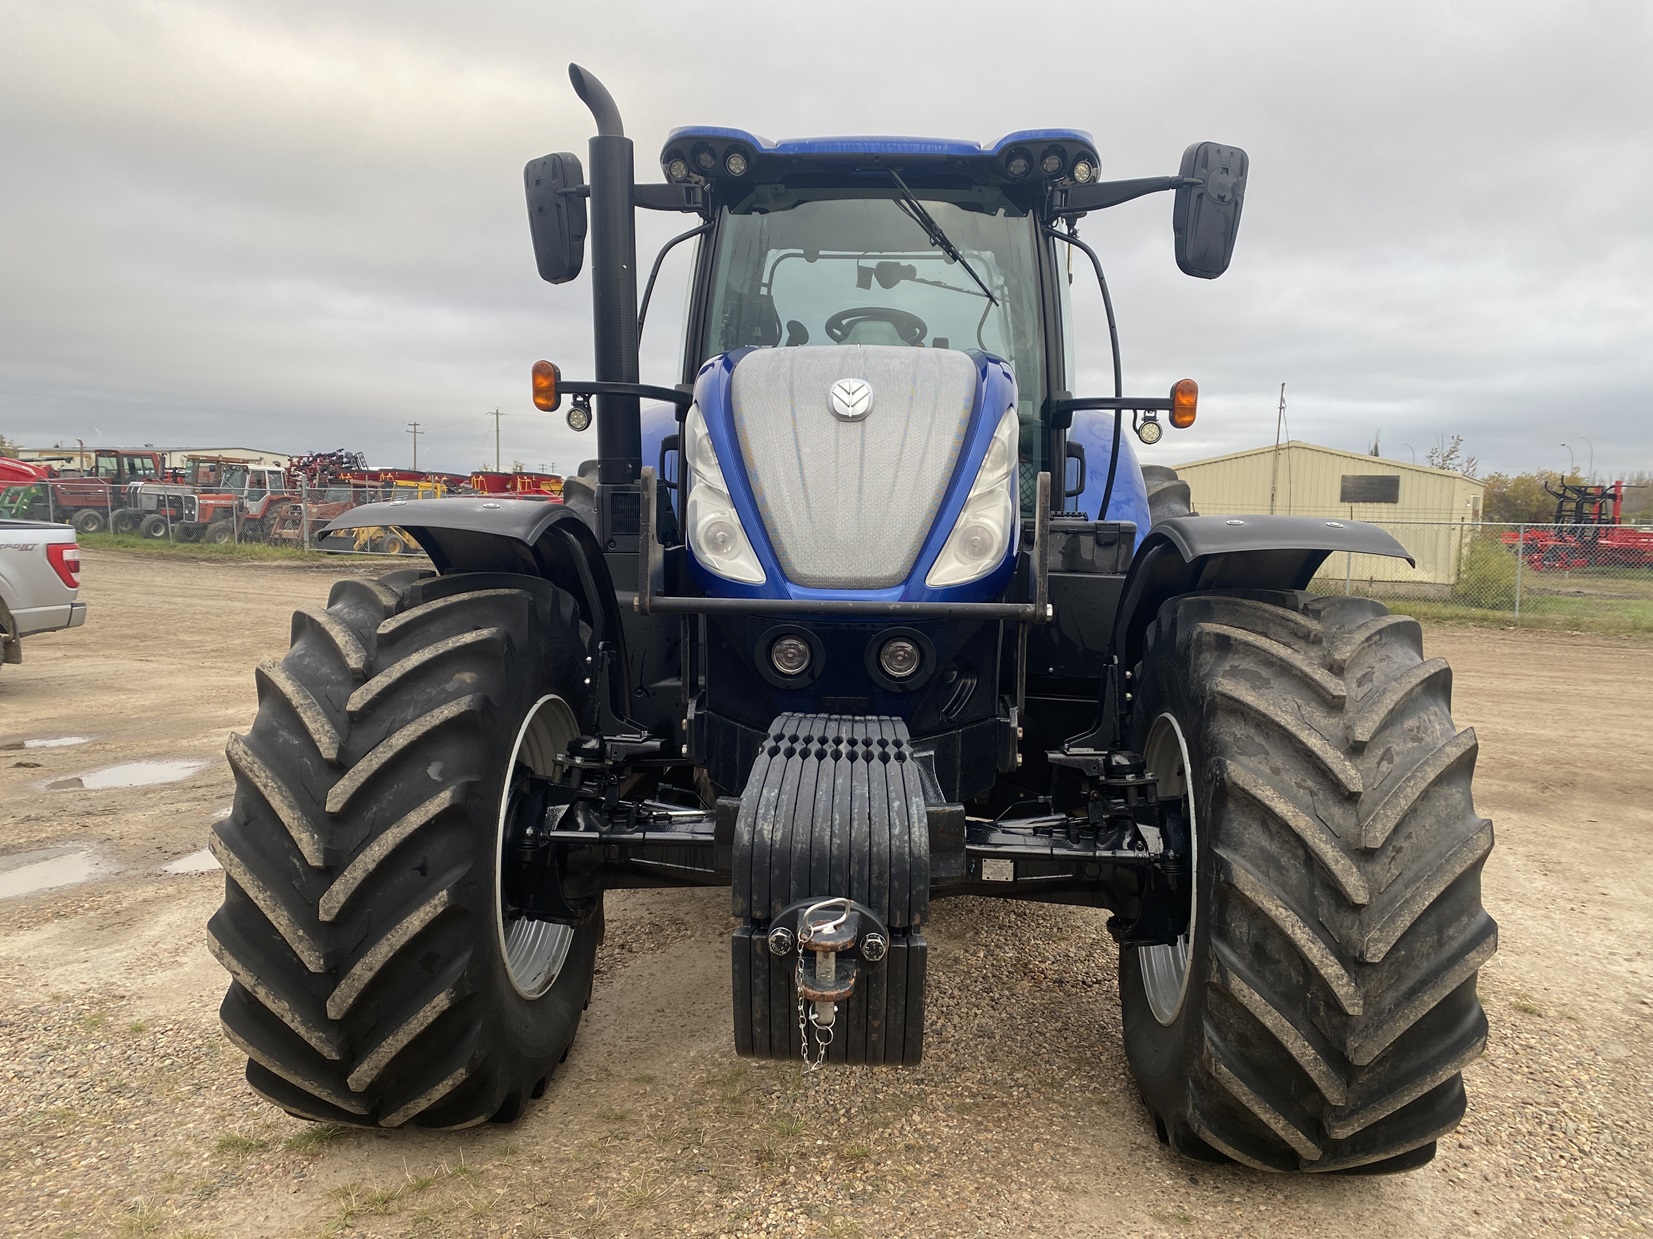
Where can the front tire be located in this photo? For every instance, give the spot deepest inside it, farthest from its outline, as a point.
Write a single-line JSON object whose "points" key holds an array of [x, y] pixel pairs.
{"points": [[1320, 1012], [88, 520], [376, 977]]}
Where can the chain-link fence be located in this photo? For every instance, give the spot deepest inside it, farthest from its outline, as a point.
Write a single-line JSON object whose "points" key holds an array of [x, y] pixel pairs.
{"points": [[293, 514], [1565, 576], [1575, 576]]}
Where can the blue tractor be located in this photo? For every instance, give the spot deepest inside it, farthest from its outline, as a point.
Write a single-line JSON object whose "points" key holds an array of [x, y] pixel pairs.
{"points": [[871, 609]]}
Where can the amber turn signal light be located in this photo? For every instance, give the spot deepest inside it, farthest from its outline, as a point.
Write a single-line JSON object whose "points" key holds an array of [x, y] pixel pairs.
{"points": [[547, 379], [1185, 394]]}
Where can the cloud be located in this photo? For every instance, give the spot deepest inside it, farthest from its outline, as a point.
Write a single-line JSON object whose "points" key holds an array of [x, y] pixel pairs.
{"points": [[301, 225]]}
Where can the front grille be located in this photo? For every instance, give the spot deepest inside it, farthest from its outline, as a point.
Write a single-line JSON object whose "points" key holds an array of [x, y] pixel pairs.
{"points": [[847, 504]]}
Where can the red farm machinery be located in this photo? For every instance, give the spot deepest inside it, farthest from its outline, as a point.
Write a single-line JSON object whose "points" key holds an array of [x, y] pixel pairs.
{"points": [[1589, 532]]}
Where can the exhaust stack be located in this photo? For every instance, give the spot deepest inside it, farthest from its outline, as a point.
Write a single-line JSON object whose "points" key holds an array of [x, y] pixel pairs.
{"points": [[613, 303]]}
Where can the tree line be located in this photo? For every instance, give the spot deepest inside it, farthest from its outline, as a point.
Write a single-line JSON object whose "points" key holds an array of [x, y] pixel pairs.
{"points": [[1521, 497]]}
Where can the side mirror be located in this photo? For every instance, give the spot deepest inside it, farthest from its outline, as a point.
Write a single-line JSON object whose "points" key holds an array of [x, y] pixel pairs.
{"points": [[556, 215], [1206, 217]]}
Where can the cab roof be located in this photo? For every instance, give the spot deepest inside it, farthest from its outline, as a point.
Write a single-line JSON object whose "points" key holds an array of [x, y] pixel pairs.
{"points": [[729, 158]]}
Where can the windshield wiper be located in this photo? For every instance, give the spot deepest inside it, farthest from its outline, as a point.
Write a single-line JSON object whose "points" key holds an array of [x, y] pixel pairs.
{"points": [[915, 210]]}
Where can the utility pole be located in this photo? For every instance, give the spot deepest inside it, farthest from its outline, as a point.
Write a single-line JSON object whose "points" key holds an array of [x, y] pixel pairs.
{"points": [[413, 429], [1274, 470], [496, 415]]}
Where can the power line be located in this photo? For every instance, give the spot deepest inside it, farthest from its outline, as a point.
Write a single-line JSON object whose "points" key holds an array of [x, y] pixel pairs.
{"points": [[413, 429]]}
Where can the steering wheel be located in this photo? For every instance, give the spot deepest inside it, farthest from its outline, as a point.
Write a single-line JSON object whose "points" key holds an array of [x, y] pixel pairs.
{"points": [[911, 327]]}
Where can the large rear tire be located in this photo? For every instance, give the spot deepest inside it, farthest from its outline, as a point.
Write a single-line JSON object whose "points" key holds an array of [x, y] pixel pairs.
{"points": [[1320, 1012], [377, 978], [1168, 495]]}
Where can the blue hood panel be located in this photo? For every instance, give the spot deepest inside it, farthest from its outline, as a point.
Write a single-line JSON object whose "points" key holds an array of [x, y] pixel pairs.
{"points": [[995, 392]]}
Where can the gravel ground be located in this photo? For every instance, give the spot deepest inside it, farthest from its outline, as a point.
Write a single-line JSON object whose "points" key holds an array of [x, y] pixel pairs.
{"points": [[123, 1110]]}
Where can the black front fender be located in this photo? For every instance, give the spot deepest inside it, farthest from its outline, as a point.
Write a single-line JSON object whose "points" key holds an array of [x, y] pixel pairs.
{"points": [[531, 537], [1190, 554]]}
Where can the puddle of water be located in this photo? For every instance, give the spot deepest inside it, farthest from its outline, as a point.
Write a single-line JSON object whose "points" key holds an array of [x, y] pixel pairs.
{"points": [[129, 774], [46, 873], [54, 742], [196, 862]]}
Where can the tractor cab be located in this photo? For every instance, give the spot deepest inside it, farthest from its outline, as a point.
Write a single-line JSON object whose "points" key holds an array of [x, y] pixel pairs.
{"points": [[893, 243], [810, 248]]}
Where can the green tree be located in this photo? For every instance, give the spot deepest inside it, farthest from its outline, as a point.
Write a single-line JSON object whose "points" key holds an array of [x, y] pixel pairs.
{"points": [[1520, 497], [1487, 576], [7, 447]]}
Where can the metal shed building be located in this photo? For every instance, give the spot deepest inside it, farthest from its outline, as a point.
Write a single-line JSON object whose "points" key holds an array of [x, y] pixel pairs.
{"points": [[1431, 511]]}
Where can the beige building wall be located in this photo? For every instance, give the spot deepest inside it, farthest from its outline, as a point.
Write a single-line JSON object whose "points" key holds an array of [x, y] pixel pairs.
{"points": [[1432, 516]]}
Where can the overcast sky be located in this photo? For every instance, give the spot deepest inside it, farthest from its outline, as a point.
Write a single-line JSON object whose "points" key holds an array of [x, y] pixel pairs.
{"points": [[300, 226]]}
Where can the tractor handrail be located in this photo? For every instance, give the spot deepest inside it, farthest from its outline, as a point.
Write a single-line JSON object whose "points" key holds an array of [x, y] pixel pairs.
{"points": [[643, 391], [838, 606]]}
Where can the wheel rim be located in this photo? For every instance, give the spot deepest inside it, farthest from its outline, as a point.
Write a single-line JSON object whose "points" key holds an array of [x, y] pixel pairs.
{"points": [[1165, 968], [534, 951]]}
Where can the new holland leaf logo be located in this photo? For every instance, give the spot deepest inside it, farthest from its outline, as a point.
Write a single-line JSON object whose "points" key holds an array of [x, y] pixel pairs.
{"points": [[850, 399]]}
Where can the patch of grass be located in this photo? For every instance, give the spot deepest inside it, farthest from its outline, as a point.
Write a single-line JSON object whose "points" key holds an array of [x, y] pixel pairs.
{"points": [[92, 1021], [857, 1152], [1624, 616], [234, 1144], [639, 1196], [58, 1116], [788, 1125], [137, 1027], [732, 1088], [313, 1139], [142, 1218], [614, 1116], [1524, 1004], [194, 550], [356, 1201]]}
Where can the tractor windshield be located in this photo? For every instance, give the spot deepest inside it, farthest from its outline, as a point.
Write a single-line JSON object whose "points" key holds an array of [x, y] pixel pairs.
{"points": [[850, 267]]}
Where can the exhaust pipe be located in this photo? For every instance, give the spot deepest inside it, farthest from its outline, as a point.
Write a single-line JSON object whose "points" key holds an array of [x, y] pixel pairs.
{"points": [[613, 300]]}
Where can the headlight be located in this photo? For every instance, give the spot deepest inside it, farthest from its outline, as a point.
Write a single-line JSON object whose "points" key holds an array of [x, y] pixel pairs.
{"points": [[981, 536], [715, 534]]}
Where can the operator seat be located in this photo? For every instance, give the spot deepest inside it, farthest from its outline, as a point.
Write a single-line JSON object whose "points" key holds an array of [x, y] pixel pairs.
{"points": [[872, 331]]}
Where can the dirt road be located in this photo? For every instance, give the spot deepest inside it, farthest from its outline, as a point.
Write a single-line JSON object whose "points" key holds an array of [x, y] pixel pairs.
{"points": [[123, 1111]]}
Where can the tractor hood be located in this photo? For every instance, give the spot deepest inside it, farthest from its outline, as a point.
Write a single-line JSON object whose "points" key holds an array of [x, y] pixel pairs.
{"points": [[843, 472]]}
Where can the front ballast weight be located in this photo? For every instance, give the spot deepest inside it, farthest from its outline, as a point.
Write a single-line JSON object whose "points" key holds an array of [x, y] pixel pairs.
{"points": [[831, 883]]}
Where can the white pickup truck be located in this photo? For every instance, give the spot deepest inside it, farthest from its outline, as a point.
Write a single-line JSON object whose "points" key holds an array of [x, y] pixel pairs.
{"points": [[39, 578]]}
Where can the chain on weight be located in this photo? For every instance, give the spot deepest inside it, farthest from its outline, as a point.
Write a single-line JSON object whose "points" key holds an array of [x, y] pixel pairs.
{"points": [[808, 1018]]}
